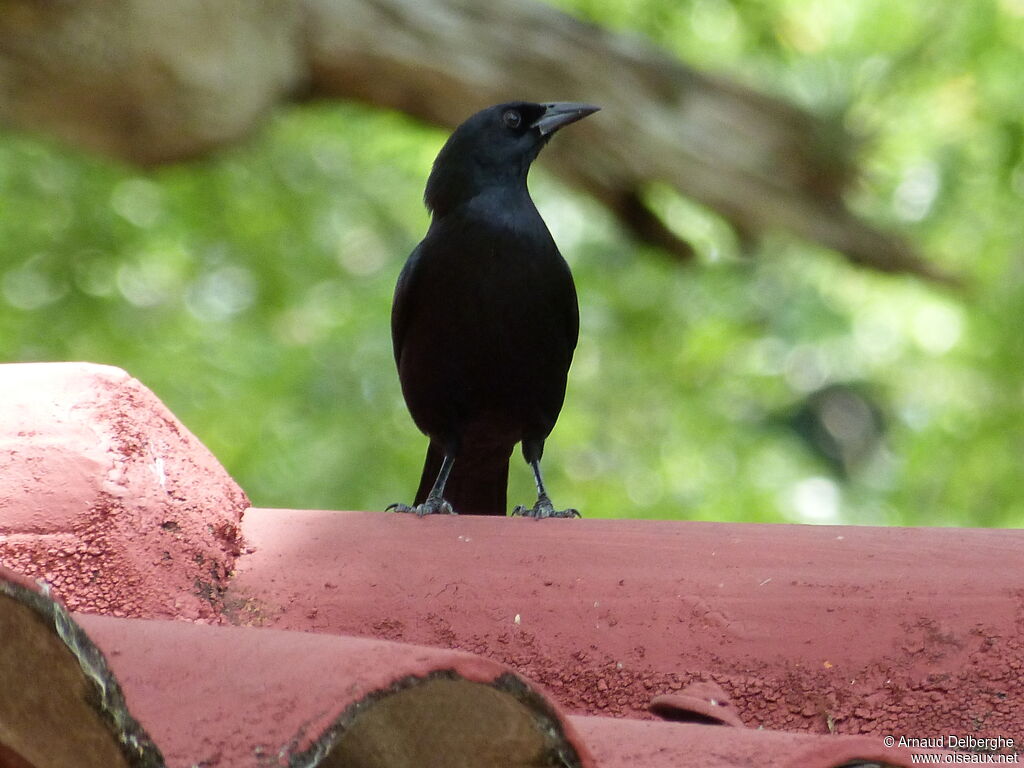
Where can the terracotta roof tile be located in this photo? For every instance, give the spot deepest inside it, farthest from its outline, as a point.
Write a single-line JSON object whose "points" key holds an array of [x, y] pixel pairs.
{"points": [[864, 632]]}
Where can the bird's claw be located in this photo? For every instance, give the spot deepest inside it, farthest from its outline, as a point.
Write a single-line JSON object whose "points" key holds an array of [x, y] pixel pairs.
{"points": [[544, 509], [428, 507]]}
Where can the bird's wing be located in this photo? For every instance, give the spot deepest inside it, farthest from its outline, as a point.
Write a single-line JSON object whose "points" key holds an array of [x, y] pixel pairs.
{"points": [[401, 305], [571, 308]]}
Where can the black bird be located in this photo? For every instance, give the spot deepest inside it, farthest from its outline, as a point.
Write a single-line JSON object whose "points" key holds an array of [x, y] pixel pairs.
{"points": [[485, 320]]}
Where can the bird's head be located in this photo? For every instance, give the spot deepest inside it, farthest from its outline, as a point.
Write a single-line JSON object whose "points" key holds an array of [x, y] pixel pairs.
{"points": [[495, 146]]}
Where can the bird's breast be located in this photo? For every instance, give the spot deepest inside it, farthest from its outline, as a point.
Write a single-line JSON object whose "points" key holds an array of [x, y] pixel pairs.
{"points": [[493, 316]]}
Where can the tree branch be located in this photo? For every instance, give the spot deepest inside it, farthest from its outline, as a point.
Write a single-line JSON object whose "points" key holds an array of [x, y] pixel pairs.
{"points": [[151, 82]]}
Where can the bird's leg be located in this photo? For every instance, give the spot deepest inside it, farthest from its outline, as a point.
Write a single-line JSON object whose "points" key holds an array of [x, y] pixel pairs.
{"points": [[543, 508], [434, 504]]}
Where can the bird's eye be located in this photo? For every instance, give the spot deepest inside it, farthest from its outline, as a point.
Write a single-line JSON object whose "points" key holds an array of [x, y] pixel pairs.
{"points": [[512, 119]]}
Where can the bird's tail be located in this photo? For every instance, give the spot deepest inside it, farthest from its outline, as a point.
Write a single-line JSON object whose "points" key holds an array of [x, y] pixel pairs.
{"points": [[477, 485]]}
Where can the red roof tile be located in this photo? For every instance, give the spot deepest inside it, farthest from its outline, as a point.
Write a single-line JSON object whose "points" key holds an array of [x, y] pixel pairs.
{"points": [[105, 494], [908, 632], [861, 630]]}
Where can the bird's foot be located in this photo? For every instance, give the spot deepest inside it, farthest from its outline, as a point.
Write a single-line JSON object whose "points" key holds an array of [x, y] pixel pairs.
{"points": [[428, 507], [542, 509]]}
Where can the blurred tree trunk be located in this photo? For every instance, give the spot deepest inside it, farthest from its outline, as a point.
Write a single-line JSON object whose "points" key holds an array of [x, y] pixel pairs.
{"points": [[153, 82]]}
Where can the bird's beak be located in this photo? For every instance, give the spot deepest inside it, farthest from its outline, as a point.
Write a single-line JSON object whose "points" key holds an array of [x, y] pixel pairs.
{"points": [[561, 113]]}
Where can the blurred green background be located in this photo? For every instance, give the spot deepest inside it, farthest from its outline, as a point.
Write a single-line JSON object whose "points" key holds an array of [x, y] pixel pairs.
{"points": [[252, 291]]}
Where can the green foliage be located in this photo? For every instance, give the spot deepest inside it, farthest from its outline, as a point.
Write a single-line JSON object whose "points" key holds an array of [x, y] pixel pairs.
{"points": [[252, 291]]}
